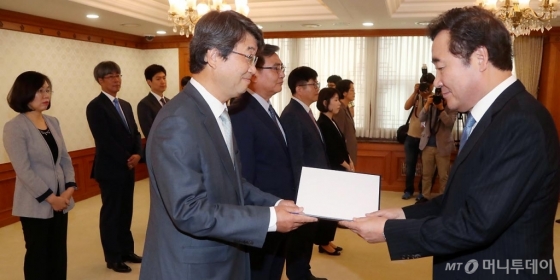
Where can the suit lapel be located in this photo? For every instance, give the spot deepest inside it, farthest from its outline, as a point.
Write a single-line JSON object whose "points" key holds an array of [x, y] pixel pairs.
{"points": [[265, 118], [483, 124], [214, 132], [110, 107]]}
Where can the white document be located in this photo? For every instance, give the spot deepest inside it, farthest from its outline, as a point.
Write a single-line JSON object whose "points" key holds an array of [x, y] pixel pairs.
{"points": [[337, 195]]}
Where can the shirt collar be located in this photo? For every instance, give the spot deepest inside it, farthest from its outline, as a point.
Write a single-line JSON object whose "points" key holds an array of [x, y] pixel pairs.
{"points": [[265, 104], [157, 96], [216, 105], [302, 104], [483, 104]]}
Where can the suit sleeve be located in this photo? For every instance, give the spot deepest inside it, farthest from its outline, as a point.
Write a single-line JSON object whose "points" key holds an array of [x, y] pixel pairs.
{"points": [[498, 193], [294, 137], [145, 117], [175, 148], [15, 143], [244, 135]]}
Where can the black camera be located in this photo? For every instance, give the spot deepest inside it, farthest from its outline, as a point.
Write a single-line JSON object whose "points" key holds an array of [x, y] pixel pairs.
{"points": [[437, 98]]}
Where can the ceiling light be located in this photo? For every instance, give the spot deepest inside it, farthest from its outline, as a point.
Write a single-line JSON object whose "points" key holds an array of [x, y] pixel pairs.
{"points": [[259, 26], [92, 16], [367, 24], [519, 18], [161, 32], [310, 25], [184, 14], [422, 23]]}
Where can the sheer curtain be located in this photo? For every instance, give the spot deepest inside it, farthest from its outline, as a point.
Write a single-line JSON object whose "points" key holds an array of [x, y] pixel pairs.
{"points": [[383, 69], [528, 58]]}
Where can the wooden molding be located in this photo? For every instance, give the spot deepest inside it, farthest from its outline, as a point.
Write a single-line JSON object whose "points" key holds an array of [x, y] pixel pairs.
{"points": [[43, 26]]}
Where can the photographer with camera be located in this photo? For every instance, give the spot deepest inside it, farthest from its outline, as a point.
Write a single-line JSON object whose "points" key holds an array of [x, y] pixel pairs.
{"points": [[416, 101], [436, 142]]}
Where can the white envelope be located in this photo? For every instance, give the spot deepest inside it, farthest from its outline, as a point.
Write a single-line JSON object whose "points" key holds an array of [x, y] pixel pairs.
{"points": [[337, 195]]}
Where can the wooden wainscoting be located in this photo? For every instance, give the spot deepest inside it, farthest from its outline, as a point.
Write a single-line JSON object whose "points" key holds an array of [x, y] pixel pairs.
{"points": [[387, 160], [82, 160]]}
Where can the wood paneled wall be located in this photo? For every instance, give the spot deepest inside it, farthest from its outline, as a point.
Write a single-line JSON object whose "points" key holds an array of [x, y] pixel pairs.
{"points": [[387, 160], [82, 161]]}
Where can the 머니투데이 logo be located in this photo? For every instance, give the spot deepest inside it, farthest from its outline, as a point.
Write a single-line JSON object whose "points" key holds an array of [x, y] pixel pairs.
{"points": [[471, 266]]}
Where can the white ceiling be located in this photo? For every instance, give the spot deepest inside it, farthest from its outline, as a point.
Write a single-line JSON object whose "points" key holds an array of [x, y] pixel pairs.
{"points": [[148, 16]]}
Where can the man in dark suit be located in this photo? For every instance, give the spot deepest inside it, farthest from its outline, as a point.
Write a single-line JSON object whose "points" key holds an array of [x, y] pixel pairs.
{"points": [[150, 105], [498, 209], [117, 152], [306, 149], [203, 214], [264, 153]]}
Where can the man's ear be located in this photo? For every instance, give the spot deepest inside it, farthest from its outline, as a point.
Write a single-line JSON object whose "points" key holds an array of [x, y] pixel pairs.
{"points": [[212, 56], [480, 56]]}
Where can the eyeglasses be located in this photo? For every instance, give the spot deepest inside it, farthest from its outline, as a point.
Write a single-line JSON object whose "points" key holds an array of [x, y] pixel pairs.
{"points": [[113, 77], [316, 85], [44, 92], [251, 58], [279, 68]]}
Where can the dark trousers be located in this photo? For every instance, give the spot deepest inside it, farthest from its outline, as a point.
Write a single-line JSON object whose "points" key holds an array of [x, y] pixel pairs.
{"points": [[411, 151], [267, 263], [115, 218], [45, 242], [326, 231], [299, 251]]}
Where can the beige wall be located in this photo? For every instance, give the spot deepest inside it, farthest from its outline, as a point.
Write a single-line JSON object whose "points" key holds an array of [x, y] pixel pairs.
{"points": [[69, 64]]}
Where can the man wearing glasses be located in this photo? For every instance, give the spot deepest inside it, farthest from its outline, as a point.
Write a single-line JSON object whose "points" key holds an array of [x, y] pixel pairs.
{"points": [[117, 152], [203, 214], [264, 153], [306, 149]]}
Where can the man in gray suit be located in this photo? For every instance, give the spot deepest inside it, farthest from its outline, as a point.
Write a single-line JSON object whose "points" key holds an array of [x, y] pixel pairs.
{"points": [[202, 213]]}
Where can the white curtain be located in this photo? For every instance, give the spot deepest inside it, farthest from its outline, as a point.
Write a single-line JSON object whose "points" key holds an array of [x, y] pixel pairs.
{"points": [[528, 59], [383, 69]]}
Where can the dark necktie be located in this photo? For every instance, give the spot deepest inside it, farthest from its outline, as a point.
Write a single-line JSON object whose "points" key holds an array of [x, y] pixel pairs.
{"points": [[272, 114], [118, 107], [162, 101], [467, 131]]}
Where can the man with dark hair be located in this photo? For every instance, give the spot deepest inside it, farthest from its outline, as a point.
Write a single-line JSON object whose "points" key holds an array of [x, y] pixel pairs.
{"points": [[345, 120], [184, 81], [203, 214], [415, 101], [332, 80], [264, 153], [117, 152], [306, 149], [499, 205], [150, 105]]}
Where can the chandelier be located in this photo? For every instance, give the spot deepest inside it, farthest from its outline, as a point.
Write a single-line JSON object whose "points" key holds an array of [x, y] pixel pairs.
{"points": [[519, 18], [184, 14]]}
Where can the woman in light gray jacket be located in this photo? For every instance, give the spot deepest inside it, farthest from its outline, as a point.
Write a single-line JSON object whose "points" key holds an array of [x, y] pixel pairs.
{"points": [[44, 176]]}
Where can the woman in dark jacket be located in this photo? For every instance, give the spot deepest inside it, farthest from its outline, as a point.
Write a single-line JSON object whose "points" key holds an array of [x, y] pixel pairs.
{"points": [[329, 105]]}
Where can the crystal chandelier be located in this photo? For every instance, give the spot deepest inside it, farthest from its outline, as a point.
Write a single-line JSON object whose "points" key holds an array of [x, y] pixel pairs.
{"points": [[184, 14], [519, 18]]}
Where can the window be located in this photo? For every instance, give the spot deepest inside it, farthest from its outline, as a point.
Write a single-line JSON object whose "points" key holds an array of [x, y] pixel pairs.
{"points": [[383, 69]]}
